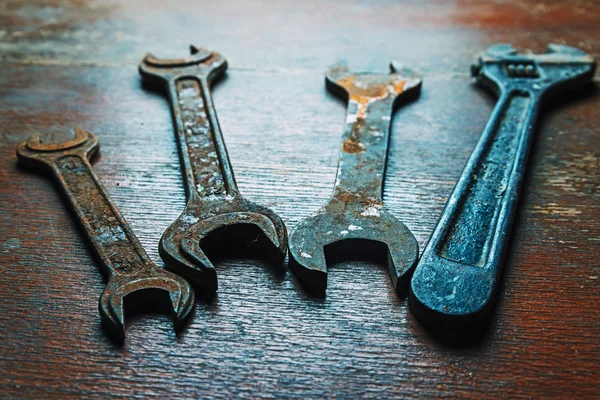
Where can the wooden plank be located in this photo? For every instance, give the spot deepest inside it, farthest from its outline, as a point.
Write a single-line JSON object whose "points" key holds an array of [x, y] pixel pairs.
{"points": [[433, 37]]}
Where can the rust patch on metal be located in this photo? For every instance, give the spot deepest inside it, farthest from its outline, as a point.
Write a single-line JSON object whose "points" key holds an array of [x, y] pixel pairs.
{"points": [[350, 146]]}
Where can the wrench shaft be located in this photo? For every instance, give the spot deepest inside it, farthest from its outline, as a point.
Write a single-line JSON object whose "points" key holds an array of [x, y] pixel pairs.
{"points": [[473, 227], [206, 167], [361, 168], [112, 239]]}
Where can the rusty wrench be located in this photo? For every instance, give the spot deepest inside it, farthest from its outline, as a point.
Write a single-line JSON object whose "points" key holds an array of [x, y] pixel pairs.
{"points": [[214, 201], [354, 218], [128, 266], [457, 275]]}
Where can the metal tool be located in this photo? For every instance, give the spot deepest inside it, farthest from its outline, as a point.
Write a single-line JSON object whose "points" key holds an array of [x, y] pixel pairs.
{"points": [[457, 275], [354, 220], [129, 268], [216, 217]]}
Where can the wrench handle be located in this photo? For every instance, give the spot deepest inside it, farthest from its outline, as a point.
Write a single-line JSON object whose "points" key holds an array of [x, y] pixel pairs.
{"points": [[459, 268], [206, 167], [363, 155], [111, 237]]}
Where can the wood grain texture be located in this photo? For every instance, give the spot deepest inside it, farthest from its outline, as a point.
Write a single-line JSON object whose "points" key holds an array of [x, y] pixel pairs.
{"points": [[67, 63]]}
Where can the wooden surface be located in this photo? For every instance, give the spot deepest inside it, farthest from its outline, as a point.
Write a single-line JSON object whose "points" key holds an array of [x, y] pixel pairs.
{"points": [[67, 63]]}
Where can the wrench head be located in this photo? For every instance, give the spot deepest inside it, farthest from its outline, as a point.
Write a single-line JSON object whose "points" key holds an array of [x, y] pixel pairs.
{"points": [[347, 224], [560, 67], [181, 296], [366, 87], [35, 153], [202, 62], [208, 229]]}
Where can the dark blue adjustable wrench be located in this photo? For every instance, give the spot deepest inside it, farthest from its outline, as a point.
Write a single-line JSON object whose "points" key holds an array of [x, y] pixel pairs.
{"points": [[457, 275]]}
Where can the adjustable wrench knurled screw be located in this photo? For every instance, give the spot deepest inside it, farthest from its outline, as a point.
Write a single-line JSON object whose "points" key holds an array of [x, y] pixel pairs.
{"points": [[128, 266], [354, 218], [214, 201], [456, 278]]}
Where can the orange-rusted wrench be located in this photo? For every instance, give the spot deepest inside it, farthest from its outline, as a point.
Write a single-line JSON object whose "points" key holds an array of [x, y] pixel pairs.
{"points": [[354, 218]]}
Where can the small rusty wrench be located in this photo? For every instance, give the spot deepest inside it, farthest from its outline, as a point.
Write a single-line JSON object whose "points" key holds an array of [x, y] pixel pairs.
{"points": [[128, 266], [354, 218], [214, 201], [457, 275]]}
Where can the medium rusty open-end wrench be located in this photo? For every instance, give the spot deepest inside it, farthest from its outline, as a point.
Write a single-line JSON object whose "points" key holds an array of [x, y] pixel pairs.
{"points": [[354, 218], [457, 276], [216, 214], [128, 266]]}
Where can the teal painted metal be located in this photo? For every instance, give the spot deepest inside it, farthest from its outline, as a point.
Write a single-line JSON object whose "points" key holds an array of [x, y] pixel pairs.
{"points": [[456, 279]]}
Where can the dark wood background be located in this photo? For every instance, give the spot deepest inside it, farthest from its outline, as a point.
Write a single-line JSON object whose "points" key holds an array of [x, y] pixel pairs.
{"points": [[67, 63]]}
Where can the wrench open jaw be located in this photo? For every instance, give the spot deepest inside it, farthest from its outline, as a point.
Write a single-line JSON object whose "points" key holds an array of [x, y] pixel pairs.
{"points": [[350, 225], [112, 310], [205, 231], [122, 256], [216, 219], [455, 282], [355, 217]]}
